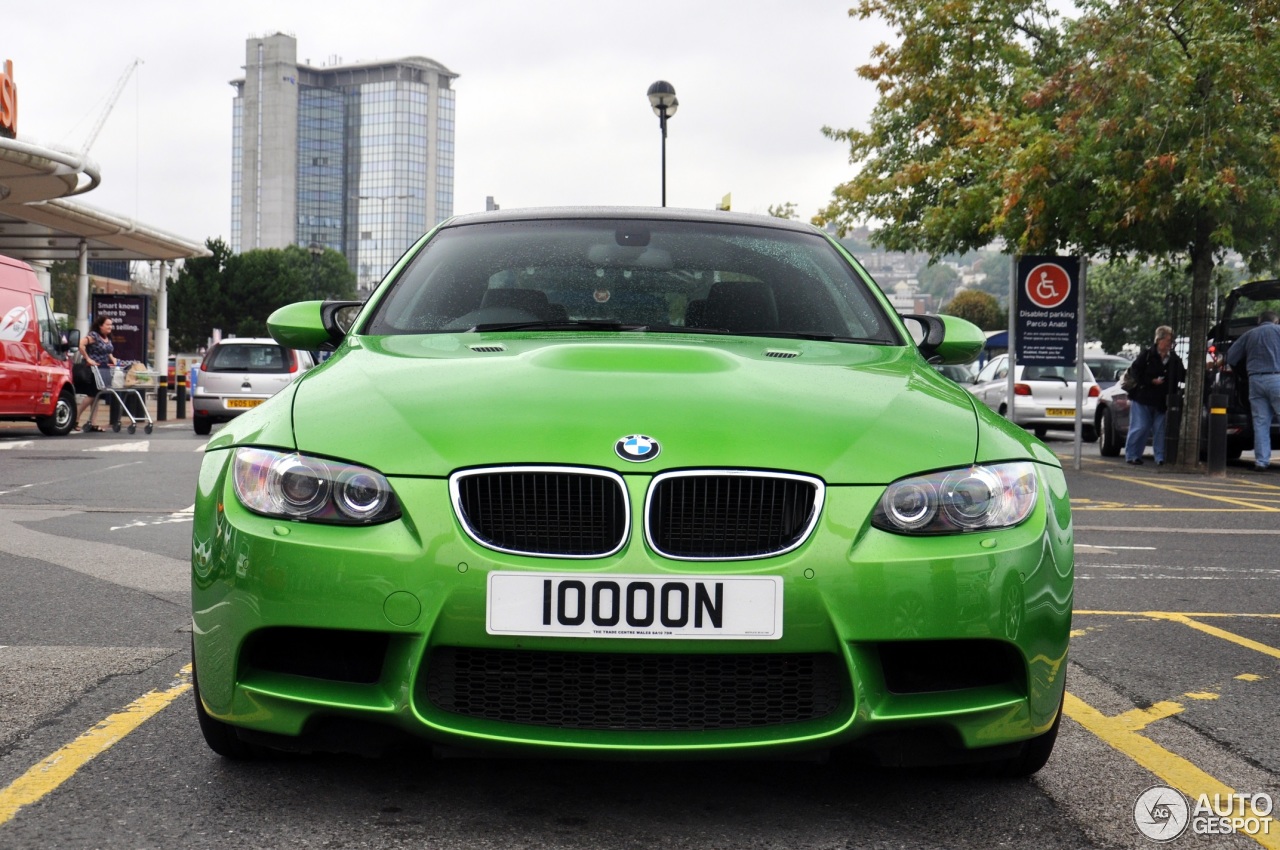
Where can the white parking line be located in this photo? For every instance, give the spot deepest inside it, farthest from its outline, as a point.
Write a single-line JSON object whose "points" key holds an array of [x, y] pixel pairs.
{"points": [[140, 446], [19, 444]]}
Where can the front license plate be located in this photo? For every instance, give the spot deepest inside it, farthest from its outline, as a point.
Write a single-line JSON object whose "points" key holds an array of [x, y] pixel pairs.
{"points": [[243, 402], [635, 606], [1060, 411]]}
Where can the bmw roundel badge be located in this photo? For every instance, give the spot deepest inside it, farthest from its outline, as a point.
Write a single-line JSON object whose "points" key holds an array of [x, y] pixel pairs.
{"points": [[637, 448]]}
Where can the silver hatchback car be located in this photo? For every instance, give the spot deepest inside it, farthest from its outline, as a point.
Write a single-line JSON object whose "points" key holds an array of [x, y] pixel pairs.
{"points": [[1045, 396], [240, 374]]}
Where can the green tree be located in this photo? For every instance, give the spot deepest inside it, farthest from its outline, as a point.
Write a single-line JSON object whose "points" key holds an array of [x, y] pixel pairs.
{"points": [[237, 292], [938, 280], [981, 308], [1147, 129], [787, 210]]}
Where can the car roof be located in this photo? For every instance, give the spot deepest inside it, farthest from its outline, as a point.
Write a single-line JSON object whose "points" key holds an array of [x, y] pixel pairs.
{"points": [[247, 340], [630, 213]]}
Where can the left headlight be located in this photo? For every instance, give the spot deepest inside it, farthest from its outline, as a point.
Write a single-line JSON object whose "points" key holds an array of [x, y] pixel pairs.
{"points": [[290, 485], [952, 501]]}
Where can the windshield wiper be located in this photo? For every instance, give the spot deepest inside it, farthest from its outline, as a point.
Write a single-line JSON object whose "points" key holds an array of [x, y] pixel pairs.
{"points": [[821, 336], [558, 325]]}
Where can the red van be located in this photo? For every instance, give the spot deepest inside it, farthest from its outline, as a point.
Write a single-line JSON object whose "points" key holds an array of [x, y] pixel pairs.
{"points": [[35, 371]]}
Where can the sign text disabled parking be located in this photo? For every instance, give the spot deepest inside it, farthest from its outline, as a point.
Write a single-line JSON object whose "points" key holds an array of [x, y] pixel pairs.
{"points": [[1048, 298]]}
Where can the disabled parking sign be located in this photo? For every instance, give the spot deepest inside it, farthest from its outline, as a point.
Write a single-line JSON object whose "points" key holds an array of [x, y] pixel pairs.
{"points": [[1047, 318]]}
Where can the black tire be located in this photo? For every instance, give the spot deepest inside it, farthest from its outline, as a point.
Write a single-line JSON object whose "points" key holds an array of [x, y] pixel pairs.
{"points": [[221, 737], [1088, 434], [202, 426], [63, 418], [148, 428], [1109, 445], [1040, 431], [133, 429], [1033, 756]]}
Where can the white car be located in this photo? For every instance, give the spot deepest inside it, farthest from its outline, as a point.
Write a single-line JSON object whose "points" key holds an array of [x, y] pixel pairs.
{"points": [[239, 374], [1044, 396]]}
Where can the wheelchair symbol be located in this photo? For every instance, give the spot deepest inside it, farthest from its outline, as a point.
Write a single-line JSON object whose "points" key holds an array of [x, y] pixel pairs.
{"points": [[1048, 285]]}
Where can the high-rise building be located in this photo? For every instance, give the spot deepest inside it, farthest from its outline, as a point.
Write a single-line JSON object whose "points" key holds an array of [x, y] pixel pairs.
{"points": [[358, 157]]}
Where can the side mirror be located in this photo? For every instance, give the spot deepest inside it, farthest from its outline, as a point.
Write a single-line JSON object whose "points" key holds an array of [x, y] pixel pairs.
{"points": [[339, 316], [310, 325], [72, 343], [945, 339]]}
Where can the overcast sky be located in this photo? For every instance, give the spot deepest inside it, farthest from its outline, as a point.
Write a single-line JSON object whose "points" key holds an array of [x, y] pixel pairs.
{"points": [[551, 105]]}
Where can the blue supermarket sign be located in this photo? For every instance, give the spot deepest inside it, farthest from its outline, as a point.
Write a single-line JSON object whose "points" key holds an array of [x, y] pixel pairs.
{"points": [[1047, 320]]}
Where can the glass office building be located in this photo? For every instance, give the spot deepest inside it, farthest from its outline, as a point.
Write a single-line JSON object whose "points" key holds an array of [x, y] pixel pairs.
{"points": [[358, 158]]}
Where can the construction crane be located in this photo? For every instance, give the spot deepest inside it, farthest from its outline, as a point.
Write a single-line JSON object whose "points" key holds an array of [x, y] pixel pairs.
{"points": [[111, 102]]}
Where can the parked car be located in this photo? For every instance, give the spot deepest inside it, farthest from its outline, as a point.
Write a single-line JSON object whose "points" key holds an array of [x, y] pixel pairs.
{"points": [[631, 482], [961, 373], [35, 372], [1240, 312], [1107, 369], [1045, 396], [1111, 420], [237, 375]]}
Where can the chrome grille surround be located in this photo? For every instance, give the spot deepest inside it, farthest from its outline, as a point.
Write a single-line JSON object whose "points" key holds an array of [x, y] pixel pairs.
{"points": [[463, 487], [795, 532]]}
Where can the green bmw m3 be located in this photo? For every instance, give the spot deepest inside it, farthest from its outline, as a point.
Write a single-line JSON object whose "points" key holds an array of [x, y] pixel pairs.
{"points": [[631, 483]]}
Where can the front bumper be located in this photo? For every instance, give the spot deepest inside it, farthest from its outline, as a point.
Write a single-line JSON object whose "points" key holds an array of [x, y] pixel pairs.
{"points": [[300, 624]]}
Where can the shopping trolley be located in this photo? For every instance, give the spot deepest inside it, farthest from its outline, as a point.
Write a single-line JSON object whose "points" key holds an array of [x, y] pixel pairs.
{"points": [[121, 398]]}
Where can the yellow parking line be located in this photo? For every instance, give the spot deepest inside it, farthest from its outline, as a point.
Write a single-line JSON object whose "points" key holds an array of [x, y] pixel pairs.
{"points": [[1185, 491], [1187, 620], [1222, 633], [57, 768], [1198, 614], [1141, 718], [1171, 768]]}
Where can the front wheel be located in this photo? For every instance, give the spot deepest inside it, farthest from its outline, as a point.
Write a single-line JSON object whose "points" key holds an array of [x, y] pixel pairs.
{"points": [[202, 426], [63, 418], [1033, 756], [1109, 445], [221, 737]]}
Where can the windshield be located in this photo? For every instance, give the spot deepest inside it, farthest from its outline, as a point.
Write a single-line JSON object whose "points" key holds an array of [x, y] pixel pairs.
{"points": [[632, 275]]}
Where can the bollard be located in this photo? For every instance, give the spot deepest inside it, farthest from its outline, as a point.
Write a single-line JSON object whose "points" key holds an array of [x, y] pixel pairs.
{"points": [[1217, 452], [1172, 425], [182, 397], [162, 399]]}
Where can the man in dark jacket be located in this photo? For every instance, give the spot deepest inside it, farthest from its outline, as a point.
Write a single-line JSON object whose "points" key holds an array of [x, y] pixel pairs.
{"points": [[1158, 372], [1258, 349]]}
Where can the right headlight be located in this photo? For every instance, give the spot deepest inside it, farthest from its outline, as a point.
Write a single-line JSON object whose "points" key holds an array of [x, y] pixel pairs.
{"points": [[290, 485], [953, 501]]}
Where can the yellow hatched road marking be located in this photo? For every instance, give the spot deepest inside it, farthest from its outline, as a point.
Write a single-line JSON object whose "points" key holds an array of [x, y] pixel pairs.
{"points": [[57, 768], [1186, 491], [1187, 620], [1172, 769], [1140, 718]]}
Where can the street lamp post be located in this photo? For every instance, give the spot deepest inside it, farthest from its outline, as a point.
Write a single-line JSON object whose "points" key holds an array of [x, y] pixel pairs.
{"points": [[382, 205], [662, 96], [316, 250]]}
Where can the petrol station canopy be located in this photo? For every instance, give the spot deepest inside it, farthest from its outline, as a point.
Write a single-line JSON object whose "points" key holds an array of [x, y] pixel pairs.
{"points": [[39, 223]]}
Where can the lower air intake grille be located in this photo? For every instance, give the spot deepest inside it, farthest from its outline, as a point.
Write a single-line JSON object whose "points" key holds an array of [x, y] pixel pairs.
{"points": [[552, 512], [723, 516], [624, 692]]}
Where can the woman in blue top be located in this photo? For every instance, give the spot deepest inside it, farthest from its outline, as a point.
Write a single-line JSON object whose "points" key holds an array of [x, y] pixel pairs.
{"points": [[95, 349]]}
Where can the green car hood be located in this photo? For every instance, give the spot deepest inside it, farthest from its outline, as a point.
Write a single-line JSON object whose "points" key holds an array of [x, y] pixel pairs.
{"points": [[428, 405]]}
